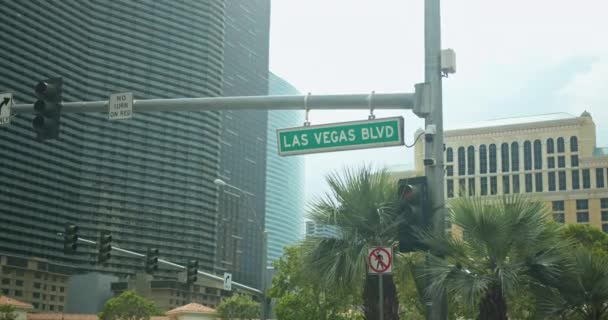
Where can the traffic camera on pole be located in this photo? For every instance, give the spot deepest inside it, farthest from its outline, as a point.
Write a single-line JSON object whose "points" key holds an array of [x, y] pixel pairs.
{"points": [[105, 247], [192, 272], [70, 238], [48, 108], [415, 213], [152, 260]]}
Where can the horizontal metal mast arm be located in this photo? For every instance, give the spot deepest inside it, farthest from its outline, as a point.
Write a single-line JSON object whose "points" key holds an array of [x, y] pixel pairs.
{"points": [[300, 102]]}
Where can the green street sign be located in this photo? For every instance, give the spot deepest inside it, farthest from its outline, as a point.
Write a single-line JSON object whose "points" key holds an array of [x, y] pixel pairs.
{"points": [[365, 134]]}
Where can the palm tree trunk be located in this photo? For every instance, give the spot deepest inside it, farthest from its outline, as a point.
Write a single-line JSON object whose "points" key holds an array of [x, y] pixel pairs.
{"points": [[493, 306], [370, 298]]}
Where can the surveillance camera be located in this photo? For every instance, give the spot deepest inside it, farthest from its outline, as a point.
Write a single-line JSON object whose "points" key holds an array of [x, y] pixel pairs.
{"points": [[429, 161], [430, 132]]}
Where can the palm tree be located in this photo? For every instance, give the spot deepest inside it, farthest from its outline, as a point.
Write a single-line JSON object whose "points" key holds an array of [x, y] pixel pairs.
{"points": [[581, 292], [361, 206], [506, 245]]}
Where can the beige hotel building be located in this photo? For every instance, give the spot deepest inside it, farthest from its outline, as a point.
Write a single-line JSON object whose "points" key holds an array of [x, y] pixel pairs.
{"points": [[551, 157]]}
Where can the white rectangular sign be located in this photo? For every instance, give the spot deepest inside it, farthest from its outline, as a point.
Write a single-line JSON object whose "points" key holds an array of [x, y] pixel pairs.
{"points": [[6, 102], [380, 260], [227, 281], [121, 106]]}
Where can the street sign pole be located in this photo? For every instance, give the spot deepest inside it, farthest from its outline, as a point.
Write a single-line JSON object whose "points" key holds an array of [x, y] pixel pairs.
{"points": [[437, 310], [380, 297]]}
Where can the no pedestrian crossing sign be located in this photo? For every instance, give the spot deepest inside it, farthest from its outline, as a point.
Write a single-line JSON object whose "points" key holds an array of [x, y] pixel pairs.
{"points": [[380, 260], [352, 135]]}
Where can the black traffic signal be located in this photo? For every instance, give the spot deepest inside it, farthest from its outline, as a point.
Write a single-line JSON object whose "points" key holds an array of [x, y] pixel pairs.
{"points": [[70, 238], [104, 247], [48, 108], [415, 213], [151, 260], [192, 271]]}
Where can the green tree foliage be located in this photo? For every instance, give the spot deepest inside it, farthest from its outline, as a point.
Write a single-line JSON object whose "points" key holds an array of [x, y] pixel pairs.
{"points": [[507, 246], [299, 294], [361, 204], [128, 306], [581, 292], [240, 307], [7, 312]]}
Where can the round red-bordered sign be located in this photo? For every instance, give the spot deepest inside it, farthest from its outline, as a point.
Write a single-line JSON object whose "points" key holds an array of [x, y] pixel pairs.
{"points": [[375, 260]]}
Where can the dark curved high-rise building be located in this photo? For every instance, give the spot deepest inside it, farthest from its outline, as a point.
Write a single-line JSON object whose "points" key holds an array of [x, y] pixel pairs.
{"points": [[149, 179]]}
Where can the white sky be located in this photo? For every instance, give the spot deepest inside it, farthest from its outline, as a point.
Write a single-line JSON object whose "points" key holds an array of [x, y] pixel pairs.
{"points": [[514, 58]]}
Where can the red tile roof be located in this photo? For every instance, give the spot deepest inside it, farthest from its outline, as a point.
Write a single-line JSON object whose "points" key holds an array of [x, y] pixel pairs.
{"points": [[192, 308], [72, 316], [4, 300]]}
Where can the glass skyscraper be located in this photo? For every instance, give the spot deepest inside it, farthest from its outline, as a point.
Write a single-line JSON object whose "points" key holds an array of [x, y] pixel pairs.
{"points": [[284, 178], [147, 180]]}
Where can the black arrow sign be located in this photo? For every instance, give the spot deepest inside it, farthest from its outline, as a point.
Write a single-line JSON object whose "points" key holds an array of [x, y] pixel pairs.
{"points": [[5, 102]]}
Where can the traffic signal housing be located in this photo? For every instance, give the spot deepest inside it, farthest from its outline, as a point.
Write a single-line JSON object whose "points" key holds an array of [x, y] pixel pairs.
{"points": [[48, 108], [104, 247], [192, 271], [415, 213], [70, 238], [151, 260]]}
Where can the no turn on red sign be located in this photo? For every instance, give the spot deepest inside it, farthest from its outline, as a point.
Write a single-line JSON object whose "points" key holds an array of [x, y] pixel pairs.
{"points": [[380, 260]]}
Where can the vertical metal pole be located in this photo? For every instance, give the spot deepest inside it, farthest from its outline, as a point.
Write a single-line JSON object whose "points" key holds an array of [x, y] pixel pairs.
{"points": [[265, 305], [434, 147], [380, 297]]}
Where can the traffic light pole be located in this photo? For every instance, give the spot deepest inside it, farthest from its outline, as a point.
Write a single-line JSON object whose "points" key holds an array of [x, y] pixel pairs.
{"points": [[169, 263], [437, 308]]}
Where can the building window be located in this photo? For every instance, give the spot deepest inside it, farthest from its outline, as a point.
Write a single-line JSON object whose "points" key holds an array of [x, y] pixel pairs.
{"points": [[19, 283], [449, 170], [514, 156], [552, 181], [550, 146], [539, 182], [562, 180], [550, 162], [560, 145], [483, 159], [471, 186], [36, 295], [449, 155], [484, 186], [18, 293], [573, 144], [604, 208], [527, 155], [516, 183], [505, 185], [575, 180], [461, 161], [559, 217], [492, 158], [605, 227], [6, 281], [450, 186], [538, 155], [558, 205], [582, 204], [528, 182], [582, 217], [493, 185], [471, 160], [462, 187], [586, 179], [504, 156], [561, 162], [37, 275], [61, 289], [599, 178], [574, 161]]}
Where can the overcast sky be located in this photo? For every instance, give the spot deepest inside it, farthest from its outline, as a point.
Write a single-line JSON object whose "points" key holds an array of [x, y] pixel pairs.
{"points": [[514, 58]]}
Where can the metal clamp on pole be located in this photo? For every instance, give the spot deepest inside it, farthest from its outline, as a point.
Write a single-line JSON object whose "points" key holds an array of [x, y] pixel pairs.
{"points": [[370, 100], [306, 122]]}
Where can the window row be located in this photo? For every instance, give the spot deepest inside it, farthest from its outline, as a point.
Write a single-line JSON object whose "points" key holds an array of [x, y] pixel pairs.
{"points": [[510, 161], [582, 211], [533, 182]]}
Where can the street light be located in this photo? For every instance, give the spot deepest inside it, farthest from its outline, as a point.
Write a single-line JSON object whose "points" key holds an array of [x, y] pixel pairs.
{"points": [[221, 183]]}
